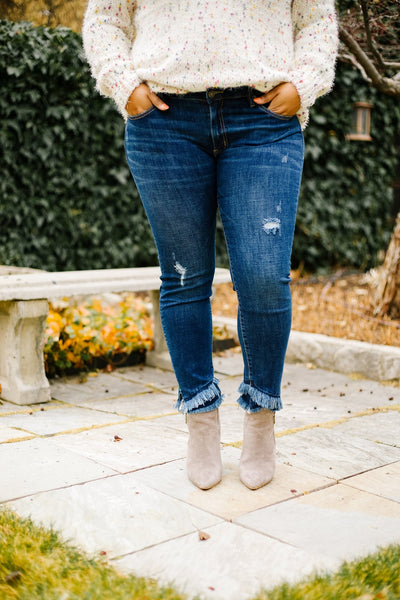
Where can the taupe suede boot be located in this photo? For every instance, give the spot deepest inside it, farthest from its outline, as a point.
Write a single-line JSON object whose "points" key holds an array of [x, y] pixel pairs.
{"points": [[204, 465], [257, 462]]}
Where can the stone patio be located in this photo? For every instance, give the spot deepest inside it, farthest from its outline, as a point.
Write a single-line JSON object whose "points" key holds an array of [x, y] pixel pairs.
{"points": [[104, 463]]}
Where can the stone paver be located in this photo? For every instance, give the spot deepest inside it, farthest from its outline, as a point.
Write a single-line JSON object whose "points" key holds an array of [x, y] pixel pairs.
{"points": [[333, 454], [234, 563], [233, 366], [56, 420], [9, 434], [230, 498], [105, 385], [104, 462], [382, 482], [338, 522], [139, 405], [35, 465], [138, 445], [117, 515], [380, 427], [7, 408], [148, 376]]}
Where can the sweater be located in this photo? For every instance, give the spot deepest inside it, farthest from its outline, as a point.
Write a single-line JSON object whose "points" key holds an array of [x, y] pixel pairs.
{"points": [[179, 46]]}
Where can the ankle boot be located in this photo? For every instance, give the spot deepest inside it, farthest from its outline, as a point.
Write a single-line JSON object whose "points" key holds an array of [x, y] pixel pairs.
{"points": [[257, 462], [204, 465]]}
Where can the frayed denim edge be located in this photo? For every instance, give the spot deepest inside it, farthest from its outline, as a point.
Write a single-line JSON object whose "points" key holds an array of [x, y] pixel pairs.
{"points": [[262, 399], [202, 398]]}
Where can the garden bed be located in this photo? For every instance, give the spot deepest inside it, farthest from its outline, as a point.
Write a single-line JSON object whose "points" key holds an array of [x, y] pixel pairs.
{"points": [[97, 333]]}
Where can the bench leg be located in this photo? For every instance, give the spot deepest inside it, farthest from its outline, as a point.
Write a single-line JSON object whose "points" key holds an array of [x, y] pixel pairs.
{"points": [[22, 375], [159, 356]]}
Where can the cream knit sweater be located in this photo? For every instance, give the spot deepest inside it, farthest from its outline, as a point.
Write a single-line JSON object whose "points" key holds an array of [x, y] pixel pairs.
{"points": [[190, 45]]}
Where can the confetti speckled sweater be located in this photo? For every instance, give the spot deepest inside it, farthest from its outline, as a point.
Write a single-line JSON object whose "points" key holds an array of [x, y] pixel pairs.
{"points": [[190, 45]]}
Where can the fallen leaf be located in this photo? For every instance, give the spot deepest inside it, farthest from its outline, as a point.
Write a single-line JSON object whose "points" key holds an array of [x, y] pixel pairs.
{"points": [[210, 587], [103, 552], [203, 536], [293, 491], [13, 577]]}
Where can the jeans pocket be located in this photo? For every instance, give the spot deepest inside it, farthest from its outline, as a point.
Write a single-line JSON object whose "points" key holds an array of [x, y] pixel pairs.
{"points": [[142, 114], [266, 110]]}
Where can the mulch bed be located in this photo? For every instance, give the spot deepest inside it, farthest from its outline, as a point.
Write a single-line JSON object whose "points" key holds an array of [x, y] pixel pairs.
{"points": [[339, 305]]}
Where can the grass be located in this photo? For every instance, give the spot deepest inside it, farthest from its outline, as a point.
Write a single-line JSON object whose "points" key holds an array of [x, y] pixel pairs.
{"points": [[35, 564], [375, 577]]}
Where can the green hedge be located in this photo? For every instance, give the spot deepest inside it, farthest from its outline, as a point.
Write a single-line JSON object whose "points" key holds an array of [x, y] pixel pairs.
{"points": [[346, 209], [66, 195], [67, 200]]}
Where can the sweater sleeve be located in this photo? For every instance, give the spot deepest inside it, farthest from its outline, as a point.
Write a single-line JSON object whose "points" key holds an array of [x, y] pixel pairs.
{"points": [[108, 33], [315, 46]]}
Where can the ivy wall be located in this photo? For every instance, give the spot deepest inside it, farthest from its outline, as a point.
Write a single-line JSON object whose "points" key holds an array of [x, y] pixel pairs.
{"points": [[67, 200]]}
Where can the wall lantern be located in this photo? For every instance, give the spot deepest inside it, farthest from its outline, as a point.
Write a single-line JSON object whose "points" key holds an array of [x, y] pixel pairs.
{"points": [[361, 127]]}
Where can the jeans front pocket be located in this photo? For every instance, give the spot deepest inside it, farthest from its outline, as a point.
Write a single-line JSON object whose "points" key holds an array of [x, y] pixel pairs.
{"points": [[266, 110], [142, 114]]}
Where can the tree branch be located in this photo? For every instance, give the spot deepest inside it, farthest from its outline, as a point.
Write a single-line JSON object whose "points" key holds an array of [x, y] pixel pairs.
{"points": [[390, 86], [370, 41], [350, 58]]}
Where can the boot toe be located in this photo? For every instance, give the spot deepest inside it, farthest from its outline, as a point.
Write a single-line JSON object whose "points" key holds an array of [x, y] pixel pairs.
{"points": [[254, 479], [205, 479]]}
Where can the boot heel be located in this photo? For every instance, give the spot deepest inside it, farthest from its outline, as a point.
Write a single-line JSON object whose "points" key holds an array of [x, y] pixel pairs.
{"points": [[257, 462], [204, 464]]}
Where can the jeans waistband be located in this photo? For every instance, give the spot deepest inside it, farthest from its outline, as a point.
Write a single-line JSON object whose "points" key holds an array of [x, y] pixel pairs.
{"points": [[212, 94]]}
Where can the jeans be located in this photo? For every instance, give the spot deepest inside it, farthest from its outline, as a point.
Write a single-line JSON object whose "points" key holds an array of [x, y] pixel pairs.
{"points": [[219, 149]]}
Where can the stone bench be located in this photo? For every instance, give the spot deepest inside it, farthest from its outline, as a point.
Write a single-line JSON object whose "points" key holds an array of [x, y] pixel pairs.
{"points": [[24, 306]]}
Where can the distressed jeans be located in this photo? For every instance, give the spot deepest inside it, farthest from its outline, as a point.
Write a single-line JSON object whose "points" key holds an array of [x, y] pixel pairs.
{"points": [[219, 149]]}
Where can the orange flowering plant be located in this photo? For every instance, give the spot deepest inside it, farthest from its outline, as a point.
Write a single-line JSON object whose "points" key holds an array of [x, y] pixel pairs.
{"points": [[95, 333]]}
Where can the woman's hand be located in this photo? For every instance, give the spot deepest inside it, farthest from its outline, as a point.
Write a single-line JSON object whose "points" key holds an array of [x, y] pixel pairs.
{"points": [[283, 99], [141, 99]]}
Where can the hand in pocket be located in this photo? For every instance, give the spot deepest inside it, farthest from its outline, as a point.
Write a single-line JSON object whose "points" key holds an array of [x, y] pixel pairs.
{"points": [[282, 99], [141, 99]]}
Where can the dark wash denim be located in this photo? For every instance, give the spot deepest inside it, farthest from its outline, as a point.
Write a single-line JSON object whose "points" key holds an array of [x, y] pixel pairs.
{"points": [[220, 149]]}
